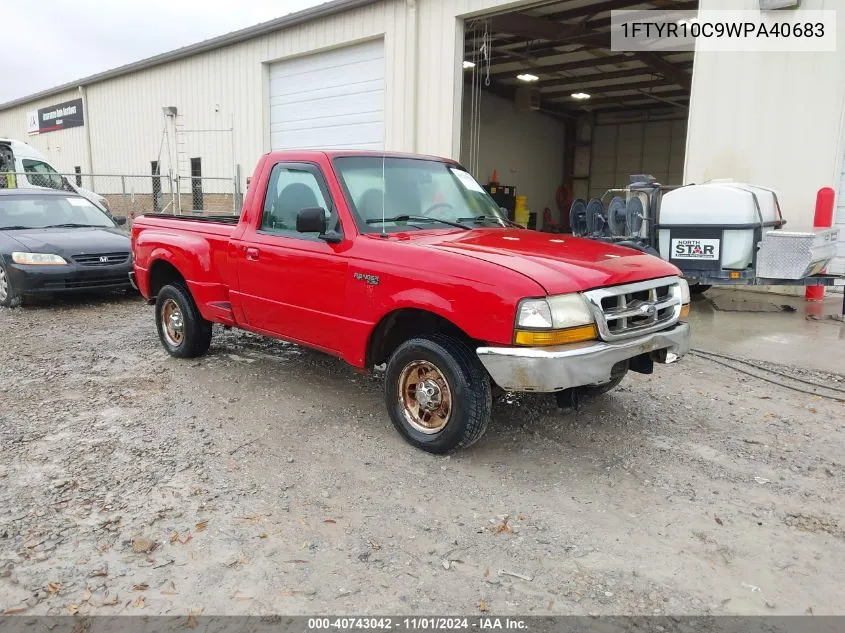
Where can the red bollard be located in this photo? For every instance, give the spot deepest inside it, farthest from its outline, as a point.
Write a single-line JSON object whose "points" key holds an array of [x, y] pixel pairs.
{"points": [[822, 219]]}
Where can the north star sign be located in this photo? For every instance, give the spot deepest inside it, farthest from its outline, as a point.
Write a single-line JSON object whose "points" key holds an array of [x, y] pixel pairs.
{"points": [[55, 117]]}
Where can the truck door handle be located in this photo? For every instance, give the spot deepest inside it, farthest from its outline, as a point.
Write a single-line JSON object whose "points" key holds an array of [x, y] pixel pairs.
{"points": [[252, 254]]}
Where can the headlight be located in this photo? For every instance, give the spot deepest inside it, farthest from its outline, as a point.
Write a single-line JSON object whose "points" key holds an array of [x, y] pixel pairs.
{"points": [[534, 313], [38, 259], [570, 311], [554, 321]]}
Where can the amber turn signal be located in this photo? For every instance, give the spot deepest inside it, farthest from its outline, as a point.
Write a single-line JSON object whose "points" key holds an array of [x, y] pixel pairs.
{"points": [[556, 337], [685, 311]]}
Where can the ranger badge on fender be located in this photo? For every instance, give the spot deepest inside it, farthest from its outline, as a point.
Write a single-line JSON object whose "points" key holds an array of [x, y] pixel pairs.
{"points": [[370, 279]]}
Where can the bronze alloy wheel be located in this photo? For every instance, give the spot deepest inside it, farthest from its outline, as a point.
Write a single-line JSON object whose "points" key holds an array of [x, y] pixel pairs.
{"points": [[172, 323], [425, 397]]}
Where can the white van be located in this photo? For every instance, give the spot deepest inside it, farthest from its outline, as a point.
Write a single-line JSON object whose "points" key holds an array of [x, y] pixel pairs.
{"points": [[29, 168]]}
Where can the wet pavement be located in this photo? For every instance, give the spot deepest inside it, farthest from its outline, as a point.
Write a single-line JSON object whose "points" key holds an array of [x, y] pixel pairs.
{"points": [[771, 327]]}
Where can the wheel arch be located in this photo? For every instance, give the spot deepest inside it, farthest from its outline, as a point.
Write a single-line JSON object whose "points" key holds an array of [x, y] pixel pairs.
{"points": [[401, 324], [163, 272]]}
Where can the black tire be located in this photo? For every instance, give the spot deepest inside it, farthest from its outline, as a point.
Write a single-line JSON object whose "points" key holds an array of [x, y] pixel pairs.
{"points": [[572, 398], [9, 298], [698, 289], [597, 390], [196, 331], [468, 382]]}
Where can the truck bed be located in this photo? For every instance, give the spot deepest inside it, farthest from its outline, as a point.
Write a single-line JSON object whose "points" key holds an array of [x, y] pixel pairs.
{"points": [[185, 237], [221, 219]]}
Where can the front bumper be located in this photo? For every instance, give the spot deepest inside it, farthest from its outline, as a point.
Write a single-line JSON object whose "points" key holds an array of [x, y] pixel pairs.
{"points": [[561, 367], [31, 280]]}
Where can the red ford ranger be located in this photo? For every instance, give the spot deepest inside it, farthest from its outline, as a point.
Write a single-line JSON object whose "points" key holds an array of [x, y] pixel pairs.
{"points": [[406, 260]]}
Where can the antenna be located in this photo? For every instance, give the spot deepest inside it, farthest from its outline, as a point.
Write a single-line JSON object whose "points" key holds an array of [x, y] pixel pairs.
{"points": [[383, 194]]}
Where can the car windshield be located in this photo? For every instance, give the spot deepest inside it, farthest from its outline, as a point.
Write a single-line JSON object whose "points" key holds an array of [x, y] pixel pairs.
{"points": [[41, 211], [401, 194]]}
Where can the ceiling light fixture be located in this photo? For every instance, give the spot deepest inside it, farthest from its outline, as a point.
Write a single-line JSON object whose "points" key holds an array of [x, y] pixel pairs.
{"points": [[580, 95], [468, 64], [527, 77]]}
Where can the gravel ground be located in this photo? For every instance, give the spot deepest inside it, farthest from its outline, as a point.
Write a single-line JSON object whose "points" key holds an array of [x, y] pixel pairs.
{"points": [[266, 478]]}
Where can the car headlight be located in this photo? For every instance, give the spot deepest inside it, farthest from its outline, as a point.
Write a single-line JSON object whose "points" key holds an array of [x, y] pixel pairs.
{"points": [[38, 259], [685, 297], [554, 321], [534, 313]]}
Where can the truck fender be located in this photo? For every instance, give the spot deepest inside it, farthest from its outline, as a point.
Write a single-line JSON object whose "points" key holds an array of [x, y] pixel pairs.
{"points": [[423, 302], [186, 252]]}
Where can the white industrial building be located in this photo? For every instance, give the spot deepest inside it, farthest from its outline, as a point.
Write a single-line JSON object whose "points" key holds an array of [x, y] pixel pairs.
{"points": [[392, 74]]}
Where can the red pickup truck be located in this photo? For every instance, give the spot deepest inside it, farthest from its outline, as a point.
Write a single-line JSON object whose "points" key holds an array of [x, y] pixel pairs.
{"points": [[406, 260]]}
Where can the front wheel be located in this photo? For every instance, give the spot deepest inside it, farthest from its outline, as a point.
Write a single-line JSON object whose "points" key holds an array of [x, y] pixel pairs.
{"points": [[181, 328], [437, 393], [9, 298]]}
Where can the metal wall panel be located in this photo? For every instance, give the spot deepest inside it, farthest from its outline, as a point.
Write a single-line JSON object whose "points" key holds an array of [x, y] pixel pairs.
{"points": [[65, 149], [620, 150], [219, 97], [773, 119], [838, 265], [222, 94], [524, 147]]}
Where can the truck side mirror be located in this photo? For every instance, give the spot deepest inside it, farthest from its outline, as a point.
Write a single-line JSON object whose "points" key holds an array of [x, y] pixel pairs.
{"points": [[311, 220], [120, 220]]}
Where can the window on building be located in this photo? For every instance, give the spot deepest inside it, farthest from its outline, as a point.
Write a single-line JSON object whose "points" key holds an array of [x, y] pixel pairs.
{"points": [[155, 170], [196, 183]]}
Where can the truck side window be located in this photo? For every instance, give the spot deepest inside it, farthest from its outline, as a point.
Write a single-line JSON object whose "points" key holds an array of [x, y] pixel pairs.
{"points": [[291, 189]]}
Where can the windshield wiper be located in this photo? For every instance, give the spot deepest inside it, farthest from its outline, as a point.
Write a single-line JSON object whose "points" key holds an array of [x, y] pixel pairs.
{"points": [[68, 225], [417, 218], [480, 219]]}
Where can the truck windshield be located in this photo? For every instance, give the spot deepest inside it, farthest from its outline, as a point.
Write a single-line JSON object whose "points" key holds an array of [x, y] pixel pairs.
{"points": [[402, 194]]}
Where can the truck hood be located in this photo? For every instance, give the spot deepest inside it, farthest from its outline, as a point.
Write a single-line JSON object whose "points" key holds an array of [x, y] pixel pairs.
{"points": [[559, 263]]}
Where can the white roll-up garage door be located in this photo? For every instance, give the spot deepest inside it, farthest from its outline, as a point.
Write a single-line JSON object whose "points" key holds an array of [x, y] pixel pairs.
{"points": [[330, 100]]}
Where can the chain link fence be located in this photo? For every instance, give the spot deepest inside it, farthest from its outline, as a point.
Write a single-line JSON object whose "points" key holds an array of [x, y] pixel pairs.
{"points": [[131, 195]]}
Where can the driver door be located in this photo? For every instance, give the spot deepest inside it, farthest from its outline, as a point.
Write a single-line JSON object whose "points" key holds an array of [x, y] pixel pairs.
{"points": [[293, 284]]}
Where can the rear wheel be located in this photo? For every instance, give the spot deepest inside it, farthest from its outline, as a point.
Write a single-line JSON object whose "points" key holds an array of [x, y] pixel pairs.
{"points": [[9, 298], [437, 393], [181, 328]]}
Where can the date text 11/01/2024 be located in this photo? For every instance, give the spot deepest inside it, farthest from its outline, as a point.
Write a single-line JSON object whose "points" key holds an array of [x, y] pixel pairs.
{"points": [[417, 624]]}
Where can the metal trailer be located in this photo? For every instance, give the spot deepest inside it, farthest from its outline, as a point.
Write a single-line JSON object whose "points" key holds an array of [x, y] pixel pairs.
{"points": [[701, 278]]}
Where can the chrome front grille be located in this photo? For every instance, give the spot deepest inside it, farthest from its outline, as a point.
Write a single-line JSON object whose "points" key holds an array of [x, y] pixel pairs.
{"points": [[100, 259], [633, 309]]}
